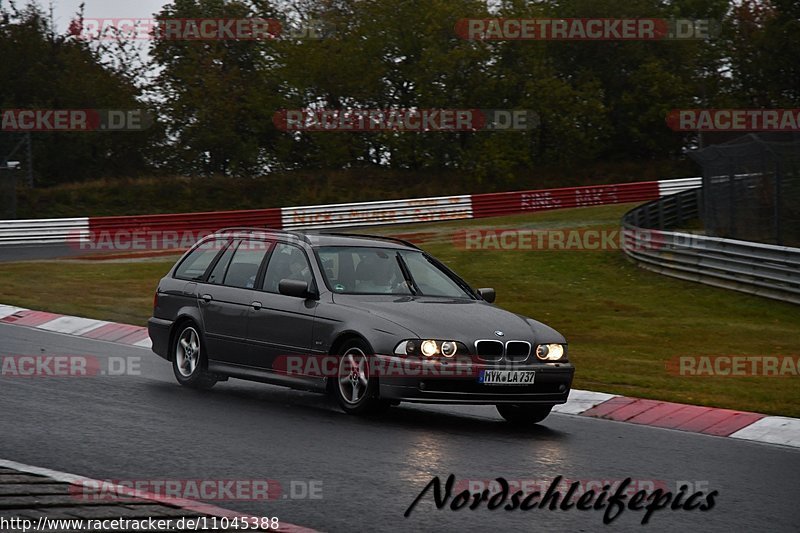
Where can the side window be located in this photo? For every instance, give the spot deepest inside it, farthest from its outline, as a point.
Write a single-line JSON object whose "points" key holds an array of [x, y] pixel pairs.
{"points": [[287, 262], [330, 264], [338, 265], [218, 272], [245, 263], [194, 266]]}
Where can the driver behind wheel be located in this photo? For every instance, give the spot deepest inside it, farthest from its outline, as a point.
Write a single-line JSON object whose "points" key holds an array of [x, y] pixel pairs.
{"points": [[374, 274]]}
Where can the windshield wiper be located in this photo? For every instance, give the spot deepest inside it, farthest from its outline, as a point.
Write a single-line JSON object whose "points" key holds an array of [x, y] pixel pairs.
{"points": [[412, 285]]}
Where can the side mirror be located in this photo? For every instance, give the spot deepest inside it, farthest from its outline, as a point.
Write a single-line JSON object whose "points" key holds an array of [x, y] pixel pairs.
{"points": [[487, 294], [294, 287]]}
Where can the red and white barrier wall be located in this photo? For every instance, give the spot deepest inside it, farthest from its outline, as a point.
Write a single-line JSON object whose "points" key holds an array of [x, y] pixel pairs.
{"points": [[54, 231]]}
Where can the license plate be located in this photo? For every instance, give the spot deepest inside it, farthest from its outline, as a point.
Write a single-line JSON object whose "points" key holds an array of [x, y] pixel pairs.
{"points": [[506, 377]]}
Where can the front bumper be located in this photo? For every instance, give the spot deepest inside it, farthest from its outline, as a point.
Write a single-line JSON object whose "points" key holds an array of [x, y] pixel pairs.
{"points": [[457, 382]]}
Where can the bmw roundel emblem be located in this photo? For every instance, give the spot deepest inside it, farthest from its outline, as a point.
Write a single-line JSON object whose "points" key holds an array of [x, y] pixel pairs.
{"points": [[499, 333]]}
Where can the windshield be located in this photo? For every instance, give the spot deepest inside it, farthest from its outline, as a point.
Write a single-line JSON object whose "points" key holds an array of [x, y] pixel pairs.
{"points": [[366, 270]]}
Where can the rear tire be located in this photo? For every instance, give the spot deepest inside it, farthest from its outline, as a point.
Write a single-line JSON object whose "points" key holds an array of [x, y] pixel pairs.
{"points": [[189, 363], [523, 414], [354, 387]]}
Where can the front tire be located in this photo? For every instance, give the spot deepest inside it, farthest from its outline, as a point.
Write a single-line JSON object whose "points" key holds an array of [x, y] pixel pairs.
{"points": [[189, 359], [355, 388], [523, 414]]}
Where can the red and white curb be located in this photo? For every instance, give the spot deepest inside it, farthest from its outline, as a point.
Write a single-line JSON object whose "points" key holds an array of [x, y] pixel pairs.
{"points": [[191, 506], [697, 419], [683, 417], [72, 325]]}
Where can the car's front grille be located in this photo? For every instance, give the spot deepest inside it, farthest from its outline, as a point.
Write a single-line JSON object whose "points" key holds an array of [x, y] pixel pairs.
{"points": [[517, 351], [494, 351], [489, 350]]}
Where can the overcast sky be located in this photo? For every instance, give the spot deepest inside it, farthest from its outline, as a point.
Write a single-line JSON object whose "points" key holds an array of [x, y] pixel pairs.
{"points": [[65, 10]]}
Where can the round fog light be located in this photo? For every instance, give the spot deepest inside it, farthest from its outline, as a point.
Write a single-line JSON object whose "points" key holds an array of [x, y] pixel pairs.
{"points": [[449, 348], [542, 350], [550, 352]]}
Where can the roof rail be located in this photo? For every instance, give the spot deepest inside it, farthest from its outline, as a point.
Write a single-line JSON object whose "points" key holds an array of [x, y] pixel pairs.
{"points": [[243, 229], [367, 236]]}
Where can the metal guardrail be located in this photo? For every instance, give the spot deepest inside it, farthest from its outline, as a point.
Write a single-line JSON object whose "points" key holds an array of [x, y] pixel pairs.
{"points": [[377, 213], [43, 231], [666, 187], [761, 269], [188, 226]]}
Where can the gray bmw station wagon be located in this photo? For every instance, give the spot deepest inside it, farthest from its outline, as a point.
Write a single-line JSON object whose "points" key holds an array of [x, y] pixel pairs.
{"points": [[371, 320]]}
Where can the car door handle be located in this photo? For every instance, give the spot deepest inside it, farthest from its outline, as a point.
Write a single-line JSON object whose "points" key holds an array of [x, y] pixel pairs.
{"points": [[207, 298], [256, 305]]}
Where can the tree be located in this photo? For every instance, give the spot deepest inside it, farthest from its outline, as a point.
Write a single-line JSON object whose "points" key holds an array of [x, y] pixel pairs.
{"points": [[44, 70], [218, 96], [763, 53]]}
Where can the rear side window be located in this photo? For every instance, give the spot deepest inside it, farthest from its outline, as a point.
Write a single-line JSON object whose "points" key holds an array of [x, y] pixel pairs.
{"points": [[243, 270], [218, 272], [194, 266]]}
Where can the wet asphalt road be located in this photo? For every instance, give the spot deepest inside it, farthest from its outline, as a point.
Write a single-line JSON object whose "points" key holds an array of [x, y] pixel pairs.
{"points": [[145, 426]]}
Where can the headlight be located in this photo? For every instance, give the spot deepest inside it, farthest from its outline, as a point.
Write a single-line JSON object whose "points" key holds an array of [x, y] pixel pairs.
{"points": [[550, 352], [449, 348], [430, 348]]}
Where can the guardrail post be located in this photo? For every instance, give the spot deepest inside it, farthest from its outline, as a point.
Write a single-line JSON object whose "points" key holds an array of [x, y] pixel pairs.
{"points": [[731, 204], [776, 210], [703, 206], [30, 159], [8, 193], [699, 202]]}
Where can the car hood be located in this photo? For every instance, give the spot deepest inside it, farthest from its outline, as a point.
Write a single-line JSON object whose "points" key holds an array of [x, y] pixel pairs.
{"points": [[454, 319]]}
